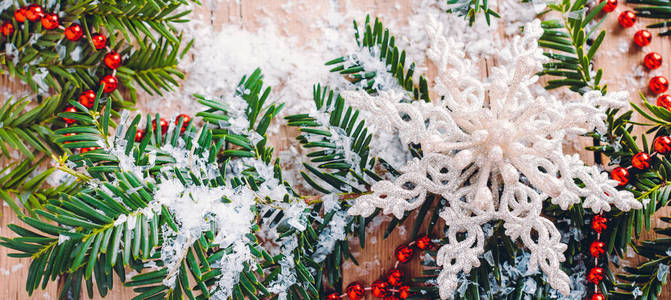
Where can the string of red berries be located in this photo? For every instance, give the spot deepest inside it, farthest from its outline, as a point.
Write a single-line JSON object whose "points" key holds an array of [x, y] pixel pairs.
{"points": [[596, 249], [186, 119], [641, 160], [652, 60], [393, 287], [73, 32]]}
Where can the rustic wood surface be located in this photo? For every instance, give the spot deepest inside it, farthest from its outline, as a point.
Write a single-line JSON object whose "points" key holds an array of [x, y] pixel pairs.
{"points": [[378, 256]]}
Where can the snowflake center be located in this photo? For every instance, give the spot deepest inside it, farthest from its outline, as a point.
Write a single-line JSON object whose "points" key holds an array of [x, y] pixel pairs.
{"points": [[499, 134]]}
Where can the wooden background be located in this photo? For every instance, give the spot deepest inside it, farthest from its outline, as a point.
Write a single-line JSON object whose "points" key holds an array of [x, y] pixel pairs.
{"points": [[617, 57]]}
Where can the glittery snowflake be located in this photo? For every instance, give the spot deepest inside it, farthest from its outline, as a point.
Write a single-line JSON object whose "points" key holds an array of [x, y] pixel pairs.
{"points": [[493, 149]]}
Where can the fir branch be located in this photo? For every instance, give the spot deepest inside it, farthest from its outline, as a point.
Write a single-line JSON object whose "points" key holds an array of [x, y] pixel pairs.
{"points": [[44, 59], [19, 187], [471, 8], [154, 68], [379, 43], [26, 129], [651, 186], [659, 10], [118, 221], [340, 141], [646, 280], [139, 19], [572, 47], [250, 137]]}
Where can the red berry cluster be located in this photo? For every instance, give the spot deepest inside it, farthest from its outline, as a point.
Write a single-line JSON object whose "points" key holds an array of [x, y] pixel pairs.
{"points": [[596, 249], [73, 32], [641, 160], [652, 60], [186, 119], [392, 288]]}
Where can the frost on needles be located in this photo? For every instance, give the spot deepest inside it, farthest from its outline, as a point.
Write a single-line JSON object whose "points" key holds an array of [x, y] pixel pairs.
{"points": [[179, 207]]}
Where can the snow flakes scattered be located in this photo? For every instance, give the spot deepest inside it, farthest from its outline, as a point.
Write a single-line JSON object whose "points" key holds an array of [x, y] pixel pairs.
{"points": [[231, 265], [285, 279], [662, 272], [370, 61], [197, 209], [332, 234]]}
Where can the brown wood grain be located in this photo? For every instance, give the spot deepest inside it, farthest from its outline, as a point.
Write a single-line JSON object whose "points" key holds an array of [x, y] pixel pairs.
{"points": [[378, 256]]}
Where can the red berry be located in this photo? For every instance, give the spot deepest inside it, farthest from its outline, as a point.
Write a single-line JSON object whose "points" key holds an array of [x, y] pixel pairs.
{"points": [[185, 121], [599, 223], [84, 150], [50, 21], [642, 38], [74, 32], [139, 135], [404, 253], [163, 123], [333, 296], [34, 12], [641, 160], [391, 297], [113, 60], [87, 98], [662, 144], [659, 84], [621, 175], [610, 6], [379, 288], [71, 109], [664, 101], [20, 15], [424, 243], [355, 291], [404, 292], [7, 28], [653, 60], [111, 83], [627, 18], [598, 296], [597, 248], [99, 41], [595, 275], [395, 277]]}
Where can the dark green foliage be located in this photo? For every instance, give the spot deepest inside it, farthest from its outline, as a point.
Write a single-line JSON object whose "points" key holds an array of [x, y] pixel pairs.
{"points": [[471, 8], [331, 163], [620, 146], [651, 186], [654, 9], [651, 275], [337, 138], [380, 43], [35, 49], [143, 32], [27, 130], [99, 245], [19, 186], [252, 92], [572, 46], [340, 164]]}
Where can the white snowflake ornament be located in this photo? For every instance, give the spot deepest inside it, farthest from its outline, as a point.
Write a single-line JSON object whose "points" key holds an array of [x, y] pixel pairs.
{"points": [[494, 152]]}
